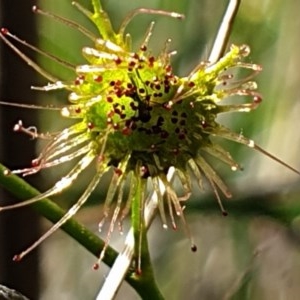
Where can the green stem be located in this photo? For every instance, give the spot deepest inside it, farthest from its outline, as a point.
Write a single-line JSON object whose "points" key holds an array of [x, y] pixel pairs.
{"points": [[143, 274], [145, 279]]}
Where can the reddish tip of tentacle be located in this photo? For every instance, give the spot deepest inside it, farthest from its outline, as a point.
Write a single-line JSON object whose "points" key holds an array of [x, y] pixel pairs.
{"points": [[138, 272], [257, 99], [194, 248], [17, 257], [224, 213], [34, 8], [96, 266], [4, 31]]}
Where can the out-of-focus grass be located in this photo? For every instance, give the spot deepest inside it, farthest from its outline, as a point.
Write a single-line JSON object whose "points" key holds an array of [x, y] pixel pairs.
{"points": [[226, 261]]}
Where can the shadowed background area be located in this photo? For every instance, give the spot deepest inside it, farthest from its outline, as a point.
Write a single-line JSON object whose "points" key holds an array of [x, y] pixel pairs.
{"points": [[251, 254], [17, 228]]}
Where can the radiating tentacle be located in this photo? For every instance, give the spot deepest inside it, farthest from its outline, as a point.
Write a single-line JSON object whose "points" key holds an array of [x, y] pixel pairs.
{"points": [[174, 201], [118, 177], [62, 159], [125, 211], [65, 21], [37, 50], [28, 60], [138, 11], [211, 174], [160, 203], [195, 170], [70, 213], [147, 37], [65, 147], [60, 185], [39, 163], [185, 179], [214, 180], [112, 222], [225, 133], [223, 155], [47, 107], [64, 136]]}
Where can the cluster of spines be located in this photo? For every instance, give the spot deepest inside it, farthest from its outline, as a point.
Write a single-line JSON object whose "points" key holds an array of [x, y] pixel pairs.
{"points": [[143, 94]]}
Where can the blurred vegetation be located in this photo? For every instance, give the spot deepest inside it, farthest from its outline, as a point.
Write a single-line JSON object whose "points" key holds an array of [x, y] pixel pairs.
{"points": [[254, 252]]}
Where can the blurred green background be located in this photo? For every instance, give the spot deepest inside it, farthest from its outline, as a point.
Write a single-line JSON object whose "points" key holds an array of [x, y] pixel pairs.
{"points": [[254, 252]]}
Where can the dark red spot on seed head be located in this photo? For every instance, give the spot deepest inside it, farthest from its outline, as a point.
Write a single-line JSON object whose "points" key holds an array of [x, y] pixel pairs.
{"points": [[77, 81], [90, 125], [132, 64], [118, 171], [98, 78], [204, 124], [118, 60], [164, 134], [126, 131], [175, 151], [144, 172], [151, 59], [135, 55], [143, 48], [110, 114], [117, 111], [181, 136], [183, 115], [168, 68], [182, 122]]}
